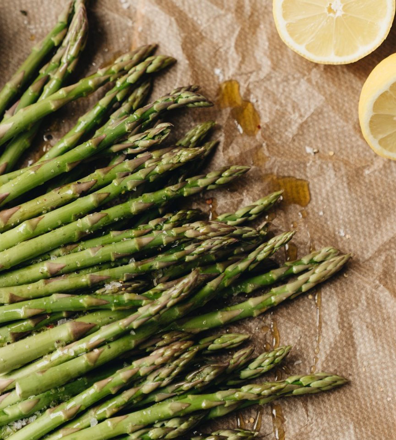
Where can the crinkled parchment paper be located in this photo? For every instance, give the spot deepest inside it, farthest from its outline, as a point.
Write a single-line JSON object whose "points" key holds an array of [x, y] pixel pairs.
{"points": [[296, 124]]}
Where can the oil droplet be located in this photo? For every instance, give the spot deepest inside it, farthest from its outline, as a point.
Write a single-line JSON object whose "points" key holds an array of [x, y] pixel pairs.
{"points": [[271, 216], [278, 421], [303, 213], [258, 420], [319, 324], [32, 37], [242, 111], [275, 336], [296, 191], [212, 208], [291, 252]]}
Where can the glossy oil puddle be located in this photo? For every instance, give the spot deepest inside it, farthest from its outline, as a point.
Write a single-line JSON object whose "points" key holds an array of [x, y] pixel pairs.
{"points": [[243, 111], [295, 191]]}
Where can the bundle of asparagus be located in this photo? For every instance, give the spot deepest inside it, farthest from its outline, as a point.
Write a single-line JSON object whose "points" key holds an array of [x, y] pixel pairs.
{"points": [[103, 279]]}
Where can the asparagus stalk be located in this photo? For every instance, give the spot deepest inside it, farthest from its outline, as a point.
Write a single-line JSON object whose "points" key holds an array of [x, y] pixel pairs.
{"points": [[124, 344], [99, 356], [24, 119], [34, 404], [112, 384], [167, 429], [22, 352], [209, 264], [33, 92], [35, 89], [135, 100], [121, 346], [228, 434], [120, 249], [60, 302], [73, 232], [156, 381], [75, 43], [9, 218], [261, 365], [308, 262], [18, 330], [196, 135], [147, 169], [258, 305], [184, 405], [77, 281], [95, 116], [40, 173], [33, 62], [166, 222], [232, 373], [193, 383], [250, 212]]}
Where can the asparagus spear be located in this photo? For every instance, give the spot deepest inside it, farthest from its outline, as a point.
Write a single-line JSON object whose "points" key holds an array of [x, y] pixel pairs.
{"points": [[251, 212], [35, 89], [196, 135], [205, 294], [258, 305], [20, 353], [184, 405], [9, 218], [40, 173], [33, 62], [124, 272], [17, 330], [120, 249], [308, 262], [233, 373], [261, 365], [167, 429], [33, 92], [24, 119], [34, 404], [60, 302], [112, 384], [75, 43], [166, 222], [73, 232], [228, 434], [102, 354], [147, 169], [116, 348], [94, 117], [156, 381]]}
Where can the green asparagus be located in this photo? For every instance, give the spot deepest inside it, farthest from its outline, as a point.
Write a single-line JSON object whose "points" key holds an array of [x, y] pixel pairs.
{"points": [[120, 249], [147, 169], [33, 62], [251, 212], [73, 232], [75, 43], [263, 393], [42, 172], [22, 352]]}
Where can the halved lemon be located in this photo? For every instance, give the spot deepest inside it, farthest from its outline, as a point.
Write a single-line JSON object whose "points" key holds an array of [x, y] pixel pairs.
{"points": [[377, 108], [333, 31]]}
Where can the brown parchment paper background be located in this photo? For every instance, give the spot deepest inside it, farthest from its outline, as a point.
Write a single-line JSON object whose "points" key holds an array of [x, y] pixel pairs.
{"points": [[302, 107]]}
